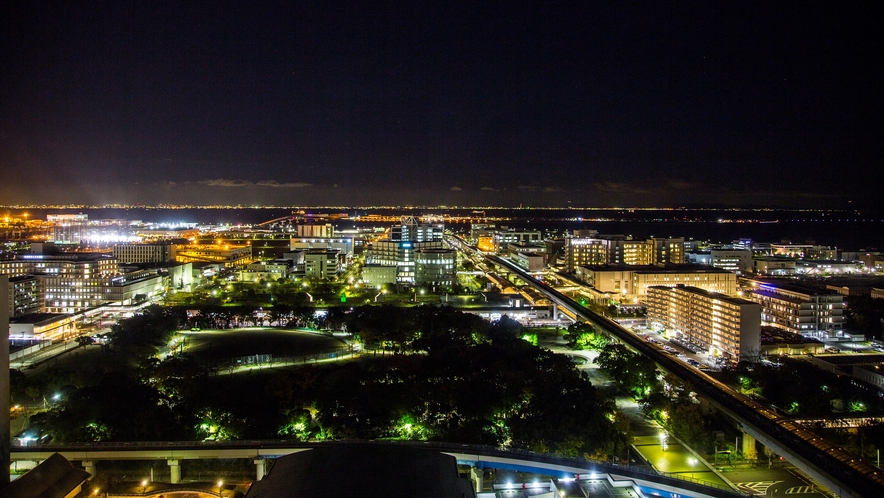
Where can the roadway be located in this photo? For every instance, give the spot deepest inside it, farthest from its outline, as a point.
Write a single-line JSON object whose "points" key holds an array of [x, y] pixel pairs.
{"points": [[839, 470]]}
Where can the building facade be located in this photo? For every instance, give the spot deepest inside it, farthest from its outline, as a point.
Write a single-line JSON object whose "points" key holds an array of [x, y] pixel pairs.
{"points": [[809, 312], [724, 325], [144, 253], [228, 255], [435, 267], [622, 250], [25, 295]]}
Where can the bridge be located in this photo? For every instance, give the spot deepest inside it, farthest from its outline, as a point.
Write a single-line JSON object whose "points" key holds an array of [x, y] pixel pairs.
{"points": [[643, 481], [836, 468]]}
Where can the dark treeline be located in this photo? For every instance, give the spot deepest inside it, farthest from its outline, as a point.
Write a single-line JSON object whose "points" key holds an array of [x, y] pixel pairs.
{"points": [[446, 376]]}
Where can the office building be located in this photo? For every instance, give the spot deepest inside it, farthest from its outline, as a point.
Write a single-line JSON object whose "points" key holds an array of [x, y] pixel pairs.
{"points": [[724, 325]]}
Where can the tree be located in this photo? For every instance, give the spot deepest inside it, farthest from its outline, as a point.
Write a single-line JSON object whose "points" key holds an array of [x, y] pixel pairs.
{"points": [[583, 335]]}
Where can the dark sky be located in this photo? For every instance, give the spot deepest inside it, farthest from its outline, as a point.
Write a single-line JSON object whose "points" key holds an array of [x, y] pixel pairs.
{"points": [[466, 103]]}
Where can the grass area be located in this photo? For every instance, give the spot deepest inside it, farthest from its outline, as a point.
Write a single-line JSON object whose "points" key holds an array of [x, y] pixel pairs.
{"points": [[218, 344]]}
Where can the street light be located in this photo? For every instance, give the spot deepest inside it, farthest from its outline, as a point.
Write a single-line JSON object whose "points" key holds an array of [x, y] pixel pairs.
{"points": [[220, 484], [692, 461], [144, 486]]}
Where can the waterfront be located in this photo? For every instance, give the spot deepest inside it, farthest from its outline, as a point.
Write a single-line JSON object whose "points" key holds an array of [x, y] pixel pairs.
{"points": [[848, 230]]}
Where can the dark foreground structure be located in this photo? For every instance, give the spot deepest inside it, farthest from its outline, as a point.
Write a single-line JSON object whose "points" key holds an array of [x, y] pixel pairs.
{"points": [[363, 470], [55, 477]]}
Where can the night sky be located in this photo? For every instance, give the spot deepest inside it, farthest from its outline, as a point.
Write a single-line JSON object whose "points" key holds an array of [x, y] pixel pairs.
{"points": [[467, 103]]}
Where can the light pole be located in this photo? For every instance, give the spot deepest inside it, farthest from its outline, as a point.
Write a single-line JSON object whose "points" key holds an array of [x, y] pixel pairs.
{"points": [[144, 486], [220, 485], [692, 461]]}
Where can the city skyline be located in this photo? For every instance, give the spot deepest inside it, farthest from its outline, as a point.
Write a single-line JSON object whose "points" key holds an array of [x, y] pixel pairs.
{"points": [[523, 104]]}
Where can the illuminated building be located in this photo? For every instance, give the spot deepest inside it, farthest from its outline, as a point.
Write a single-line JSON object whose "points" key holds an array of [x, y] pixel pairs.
{"points": [[344, 245], [315, 230], [321, 263], [228, 255], [738, 261], [531, 261], [804, 251], [378, 275], [622, 249], [721, 324], [68, 228], [423, 260], [25, 295], [490, 238], [410, 230], [810, 312], [634, 282], [264, 271], [435, 267], [775, 266], [144, 253]]}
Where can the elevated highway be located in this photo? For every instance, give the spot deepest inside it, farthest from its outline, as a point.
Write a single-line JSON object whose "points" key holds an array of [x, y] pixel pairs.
{"points": [[644, 482], [836, 468]]}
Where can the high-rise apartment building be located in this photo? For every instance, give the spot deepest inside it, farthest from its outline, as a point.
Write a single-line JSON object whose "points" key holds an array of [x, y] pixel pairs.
{"points": [[724, 325], [810, 312]]}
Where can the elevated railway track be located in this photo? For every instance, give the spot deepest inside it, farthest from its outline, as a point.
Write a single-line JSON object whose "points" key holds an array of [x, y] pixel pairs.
{"points": [[836, 468]]}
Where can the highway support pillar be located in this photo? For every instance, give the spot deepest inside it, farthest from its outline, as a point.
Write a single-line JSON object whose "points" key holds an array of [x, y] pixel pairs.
{"points": [[259, 469], [749, 452], [555, 311], [175, 471], [477, 474], [89, 466]]}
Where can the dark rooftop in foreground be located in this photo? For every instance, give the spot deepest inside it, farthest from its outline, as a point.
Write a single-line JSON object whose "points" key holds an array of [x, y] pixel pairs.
{"points": [[55, 477], [352, 470]]}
